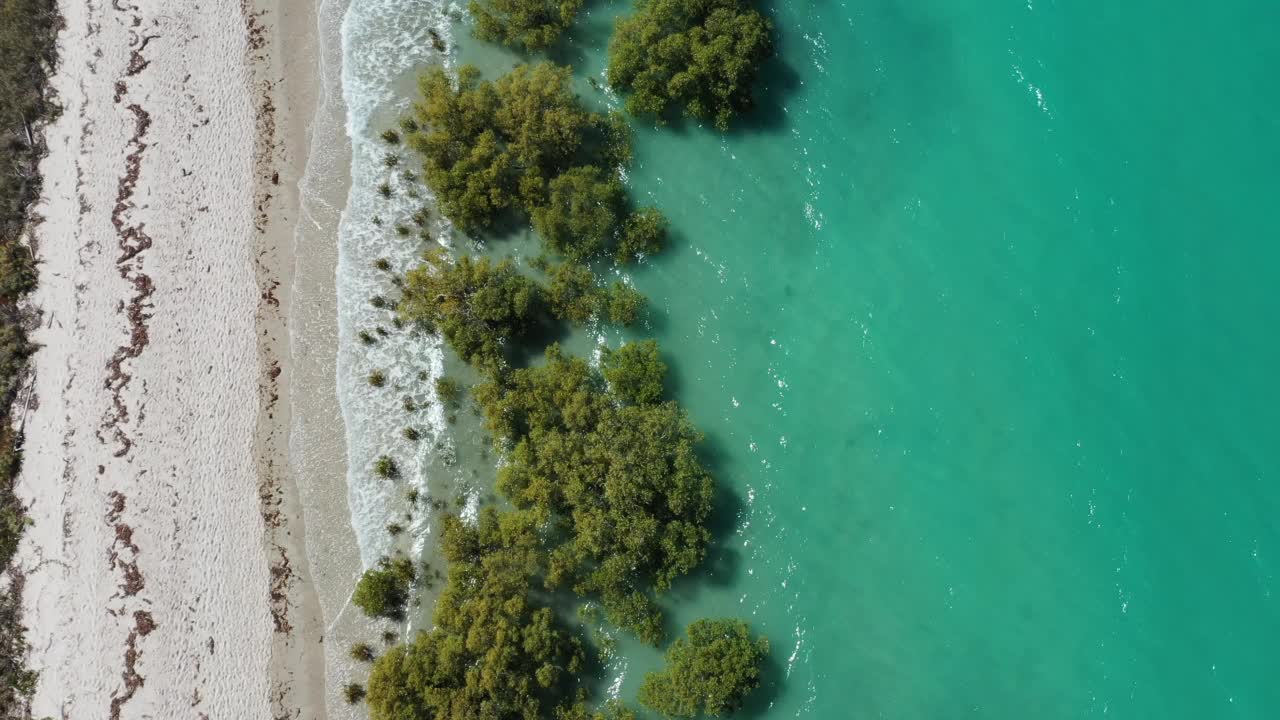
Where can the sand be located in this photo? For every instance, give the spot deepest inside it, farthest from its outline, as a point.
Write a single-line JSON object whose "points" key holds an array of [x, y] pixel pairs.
{"points": [[167, 574]]}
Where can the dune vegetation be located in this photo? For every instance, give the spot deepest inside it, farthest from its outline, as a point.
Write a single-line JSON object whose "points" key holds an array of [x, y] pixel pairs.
{"points": [[28, 30]]}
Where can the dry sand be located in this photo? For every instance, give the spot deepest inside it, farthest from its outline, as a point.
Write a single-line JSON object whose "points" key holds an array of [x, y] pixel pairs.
{"points": [[166, 571]]}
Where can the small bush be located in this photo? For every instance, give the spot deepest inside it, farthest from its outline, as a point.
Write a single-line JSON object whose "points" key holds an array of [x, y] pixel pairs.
{"points": [[709, 673], [437, 42], [385, 190], [377, 378], [382, 264], [362, 652], [378, 301], [391, 137], [353, 692], [386, 468], [411, 434], [383, 591], [366, 338], [448, 390]]}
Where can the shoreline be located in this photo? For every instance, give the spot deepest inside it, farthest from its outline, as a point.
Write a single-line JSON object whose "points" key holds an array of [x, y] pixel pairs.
{"points": [[286, 89], [158, 442]]}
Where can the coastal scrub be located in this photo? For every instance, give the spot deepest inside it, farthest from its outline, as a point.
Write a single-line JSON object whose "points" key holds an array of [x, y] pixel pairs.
{"points": [[708, 672], [477, 306], [524, 145], [526, 24], [700, 57], [621, 484], [28, 54], [384, 591], [493, 652]]}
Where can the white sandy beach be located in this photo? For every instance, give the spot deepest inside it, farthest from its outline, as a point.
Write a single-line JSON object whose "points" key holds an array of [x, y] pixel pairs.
{"points": [[166, 571]]}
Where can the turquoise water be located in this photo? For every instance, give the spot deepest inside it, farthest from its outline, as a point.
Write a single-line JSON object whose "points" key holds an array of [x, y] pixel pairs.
{"points": [[976, 318]]}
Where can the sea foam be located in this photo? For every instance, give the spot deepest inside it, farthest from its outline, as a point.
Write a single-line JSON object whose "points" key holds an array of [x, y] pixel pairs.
{"points": [[383, 43]]}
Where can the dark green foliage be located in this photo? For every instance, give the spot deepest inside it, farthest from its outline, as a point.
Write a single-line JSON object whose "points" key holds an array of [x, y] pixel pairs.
{"points": [[476, 306], [384, 591], [579, 212], [493, 147], [17, 272], [365, 337], [492, 653], [411, 434], [621, 483], [378, 301], [377, 378], [573, 295], [527, 24], [708, 673], [699, 55], [391, 137], [27, 54], [391, 160], [635, 372], [395, 529], [643, 233], [384, 189]]}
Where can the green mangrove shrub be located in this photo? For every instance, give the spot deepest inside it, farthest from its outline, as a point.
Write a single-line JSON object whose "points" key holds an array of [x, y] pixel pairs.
{"points": [[708, 672]]}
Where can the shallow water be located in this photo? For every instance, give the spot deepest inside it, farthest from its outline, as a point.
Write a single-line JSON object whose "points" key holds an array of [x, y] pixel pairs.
{"points": [[383, 41], [974, 314]]}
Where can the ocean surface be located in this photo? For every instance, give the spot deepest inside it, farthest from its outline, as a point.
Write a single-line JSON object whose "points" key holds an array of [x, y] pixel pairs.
{"points": [[978, 314]]}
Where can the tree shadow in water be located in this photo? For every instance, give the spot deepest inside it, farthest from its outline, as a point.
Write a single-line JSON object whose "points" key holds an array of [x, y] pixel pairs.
{"points": [[529, 347], [587, 34], [776, 82], [772, 677]]}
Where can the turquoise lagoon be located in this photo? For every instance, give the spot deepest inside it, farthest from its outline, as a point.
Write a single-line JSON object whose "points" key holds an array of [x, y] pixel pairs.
{"points": [[978, 314]]}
